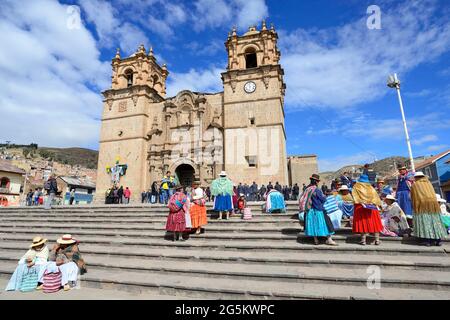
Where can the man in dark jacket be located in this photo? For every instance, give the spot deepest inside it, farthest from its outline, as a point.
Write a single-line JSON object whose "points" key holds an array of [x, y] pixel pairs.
{"points": [[253, 191], [51, 186], [278, 187], [295, 191], [262, 192]]}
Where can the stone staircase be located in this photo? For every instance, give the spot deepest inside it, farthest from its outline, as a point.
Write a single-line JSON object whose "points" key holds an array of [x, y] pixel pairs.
{"points": [[266, 258]]}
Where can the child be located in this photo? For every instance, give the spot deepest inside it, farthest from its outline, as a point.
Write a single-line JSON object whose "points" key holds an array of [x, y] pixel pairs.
{"points": [[241, 204]]}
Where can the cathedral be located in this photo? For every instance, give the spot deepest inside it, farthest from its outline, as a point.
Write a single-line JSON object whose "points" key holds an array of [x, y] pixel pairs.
{"points": [[196, 135]]}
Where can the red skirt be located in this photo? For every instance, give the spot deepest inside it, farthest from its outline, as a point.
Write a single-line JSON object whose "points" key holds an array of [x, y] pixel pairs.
{"points": [[366, 220], [198, 216], [176, 222]]}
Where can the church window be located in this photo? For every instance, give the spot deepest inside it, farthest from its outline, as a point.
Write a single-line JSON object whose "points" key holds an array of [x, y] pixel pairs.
{"points": [[250, 58], [252, 121], [129, 77], [251, 160]]}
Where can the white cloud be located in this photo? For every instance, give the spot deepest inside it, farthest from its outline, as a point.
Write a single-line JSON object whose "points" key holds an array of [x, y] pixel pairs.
{"points": [[50, 93], [348, 65], [437, 147], [425, 139], [219, 13], [335, 163], [195, 80]]}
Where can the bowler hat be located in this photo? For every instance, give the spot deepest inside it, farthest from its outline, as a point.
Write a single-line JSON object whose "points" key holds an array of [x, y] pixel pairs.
{"points": [[315, 177]]}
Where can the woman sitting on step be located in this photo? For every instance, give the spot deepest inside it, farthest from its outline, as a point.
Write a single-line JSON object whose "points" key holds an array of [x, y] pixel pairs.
{"points": [[65, 256], [394, 219], [34, 260], [178, 212], [274, 201]]}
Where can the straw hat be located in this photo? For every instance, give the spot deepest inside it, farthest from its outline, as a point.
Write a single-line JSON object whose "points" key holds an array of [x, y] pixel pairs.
{"points": [[37, 241], [390, 197], [343, 188], [66, 239], [223, 174]]}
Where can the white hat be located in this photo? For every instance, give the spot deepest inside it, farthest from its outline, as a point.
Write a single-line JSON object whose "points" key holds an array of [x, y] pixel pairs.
{"points": [[343, 187], [198, 194], [223, 174], [390, 197], [439, 199], [419, 174]]}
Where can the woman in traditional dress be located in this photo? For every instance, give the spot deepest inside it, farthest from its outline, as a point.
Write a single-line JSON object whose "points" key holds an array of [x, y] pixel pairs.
{"points": [[445, 215], [222, 190], [65, 256], [36, 257], [198, 208], [178, 208], [317, 223], [427, 220], [274, 201], [394, 219], [403, 194], [366, 217]]}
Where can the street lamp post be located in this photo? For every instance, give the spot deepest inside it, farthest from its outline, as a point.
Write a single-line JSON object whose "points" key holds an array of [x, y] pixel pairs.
{"points": [[394, 82]]}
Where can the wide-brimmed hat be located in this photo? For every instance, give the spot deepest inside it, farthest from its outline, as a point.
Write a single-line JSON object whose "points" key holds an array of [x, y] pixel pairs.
{"points": [[402, 167], [380, 180], [37, 241], [419, 174], [241, 195], [315, 177], [66, 239], [364, 178], [198, 194], [343, 188], [390, 197], [223, 174], [439, 199]]}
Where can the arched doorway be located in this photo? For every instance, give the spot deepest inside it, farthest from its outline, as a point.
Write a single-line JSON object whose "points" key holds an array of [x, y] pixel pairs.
{"points": [[185, 174]]}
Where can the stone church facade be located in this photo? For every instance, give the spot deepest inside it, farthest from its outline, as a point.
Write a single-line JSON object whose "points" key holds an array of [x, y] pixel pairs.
{"points": [[195, 135]]}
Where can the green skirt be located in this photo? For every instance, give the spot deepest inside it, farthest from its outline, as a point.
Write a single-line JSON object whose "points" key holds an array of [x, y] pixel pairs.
{"points": [[429, 226]]}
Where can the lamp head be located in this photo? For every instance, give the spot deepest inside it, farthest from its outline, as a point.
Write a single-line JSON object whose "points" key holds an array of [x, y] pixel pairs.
{"points": [[393, 81]]}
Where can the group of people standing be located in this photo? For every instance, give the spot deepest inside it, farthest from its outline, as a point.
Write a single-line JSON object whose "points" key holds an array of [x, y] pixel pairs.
{"points": [[413, 210], [117, 195]]}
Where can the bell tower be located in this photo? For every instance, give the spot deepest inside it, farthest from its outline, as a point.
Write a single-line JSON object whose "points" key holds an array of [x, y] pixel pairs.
{"points": [[254, 107], [138, 82]]}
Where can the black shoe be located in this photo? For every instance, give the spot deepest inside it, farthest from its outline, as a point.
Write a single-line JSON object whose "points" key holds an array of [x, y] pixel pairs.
{"points": [[438, 243]]}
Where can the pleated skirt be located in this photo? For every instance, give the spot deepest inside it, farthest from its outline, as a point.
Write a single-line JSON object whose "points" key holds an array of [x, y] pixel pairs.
{"points": [[318, 224], [429, 226], [223, 203], [366, 220], [198, 216], [404, 201], [176, 222]]}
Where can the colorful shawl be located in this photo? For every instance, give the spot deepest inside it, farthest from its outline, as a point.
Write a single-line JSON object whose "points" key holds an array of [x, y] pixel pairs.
{"points": [[179, 201], [305, 202], [364, 193], [423, 197], [72, 252], [222, 187]]}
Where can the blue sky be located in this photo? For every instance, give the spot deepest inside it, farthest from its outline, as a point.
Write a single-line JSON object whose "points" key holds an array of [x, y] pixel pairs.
{"points": [[337, 103]]}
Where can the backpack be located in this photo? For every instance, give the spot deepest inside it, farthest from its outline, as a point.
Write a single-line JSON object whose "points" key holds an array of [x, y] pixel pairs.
{"points": [[47, 185]]}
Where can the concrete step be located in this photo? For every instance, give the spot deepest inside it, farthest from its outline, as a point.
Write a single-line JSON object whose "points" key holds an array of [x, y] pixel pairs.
{"points": [[84, 293], [357, 276], [307, 258], [389, 248], [199, 286]]}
